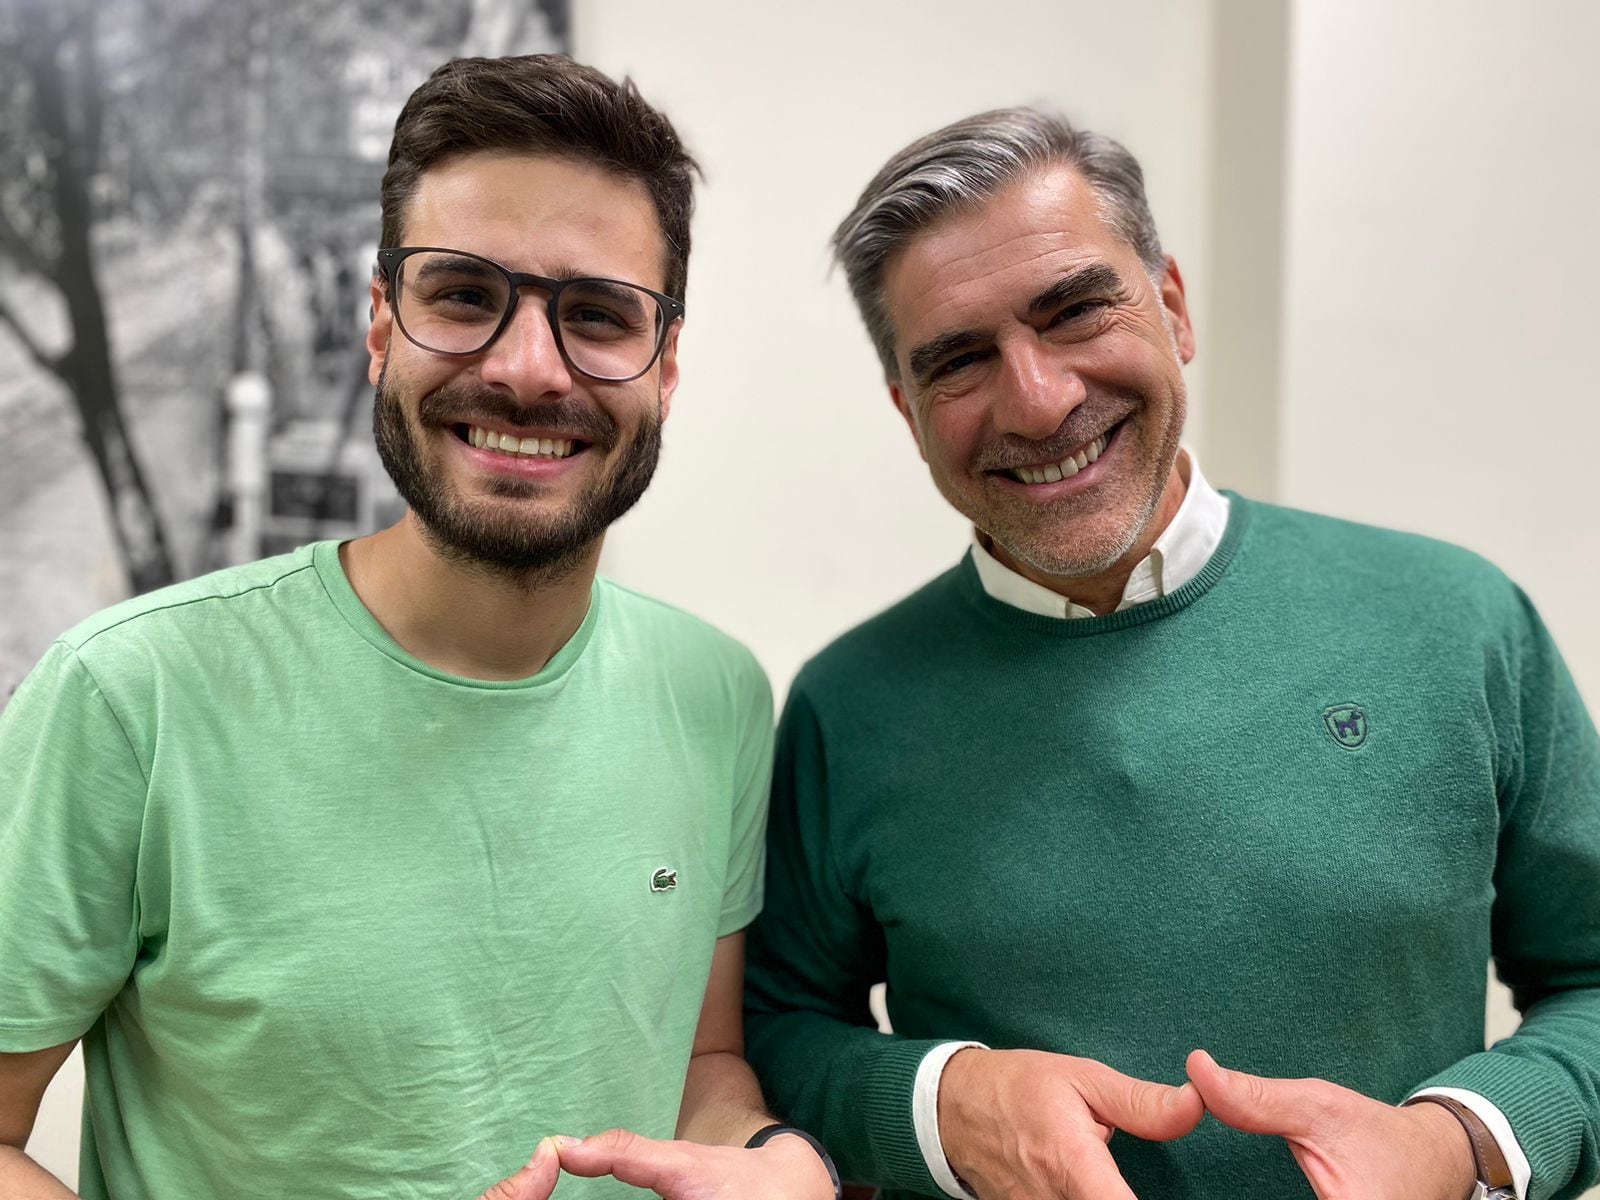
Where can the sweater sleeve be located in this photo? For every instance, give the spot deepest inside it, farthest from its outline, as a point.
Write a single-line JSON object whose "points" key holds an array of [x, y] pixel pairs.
{"points": [[814, 955], [1545, 1077]]}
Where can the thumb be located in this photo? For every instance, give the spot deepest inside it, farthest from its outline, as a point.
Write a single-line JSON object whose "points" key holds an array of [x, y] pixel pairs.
{"points": [[627, 1157], [1138, 1106], [535, 1181], [1256, 1104]]}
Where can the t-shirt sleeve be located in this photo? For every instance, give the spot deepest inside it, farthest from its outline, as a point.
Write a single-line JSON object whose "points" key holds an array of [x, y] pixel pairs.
{"points": [[752, 778], [72, 795]]}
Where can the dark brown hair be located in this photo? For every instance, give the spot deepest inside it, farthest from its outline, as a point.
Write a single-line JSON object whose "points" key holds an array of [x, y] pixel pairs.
{"points": [[543, 104]]}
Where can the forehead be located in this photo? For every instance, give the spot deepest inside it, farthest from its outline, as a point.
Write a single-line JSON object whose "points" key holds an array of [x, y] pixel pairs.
{"points": [[978, 264], [539, 214]]}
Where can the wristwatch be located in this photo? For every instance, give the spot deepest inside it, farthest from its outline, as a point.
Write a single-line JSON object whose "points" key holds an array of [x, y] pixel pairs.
{"points": [[1495, 1181]]}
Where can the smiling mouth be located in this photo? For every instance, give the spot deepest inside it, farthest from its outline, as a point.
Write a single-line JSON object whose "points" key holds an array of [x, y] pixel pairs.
{"points": [[517, 447], [1067, 467]]}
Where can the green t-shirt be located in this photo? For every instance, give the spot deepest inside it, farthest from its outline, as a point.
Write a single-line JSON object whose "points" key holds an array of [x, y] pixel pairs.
{"points": [[333, 923]]}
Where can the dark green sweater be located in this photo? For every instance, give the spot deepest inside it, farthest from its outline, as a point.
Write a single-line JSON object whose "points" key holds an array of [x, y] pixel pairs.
{"points": [[1284, 813]]}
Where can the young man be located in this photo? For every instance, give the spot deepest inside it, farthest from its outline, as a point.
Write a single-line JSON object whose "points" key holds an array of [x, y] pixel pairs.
{"points": [[359, 870], [1156, 768]]}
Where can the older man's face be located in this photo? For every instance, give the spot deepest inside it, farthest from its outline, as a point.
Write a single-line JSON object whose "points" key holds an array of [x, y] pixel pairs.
{"points": [[1041, 373]]}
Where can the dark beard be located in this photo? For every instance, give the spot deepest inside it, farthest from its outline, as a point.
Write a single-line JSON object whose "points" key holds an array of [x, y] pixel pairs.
{"points": [[504, 542]]}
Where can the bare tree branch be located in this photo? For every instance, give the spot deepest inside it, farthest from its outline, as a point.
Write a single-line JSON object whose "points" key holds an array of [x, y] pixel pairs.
{"points": [[88, 87], [49, 362]]}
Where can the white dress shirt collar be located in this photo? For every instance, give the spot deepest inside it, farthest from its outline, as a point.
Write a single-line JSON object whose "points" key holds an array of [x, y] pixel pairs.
{"points": [[1183, 548]]}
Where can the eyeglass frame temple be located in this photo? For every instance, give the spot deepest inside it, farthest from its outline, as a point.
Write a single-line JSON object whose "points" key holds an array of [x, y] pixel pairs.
{"points": [[390, 258]]}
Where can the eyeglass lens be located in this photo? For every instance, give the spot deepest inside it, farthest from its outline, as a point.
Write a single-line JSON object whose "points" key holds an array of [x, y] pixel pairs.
{"points": [[453, 303]]}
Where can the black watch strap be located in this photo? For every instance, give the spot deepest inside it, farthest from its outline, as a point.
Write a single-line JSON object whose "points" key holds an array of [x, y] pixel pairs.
{"points": [[767, 1132]]}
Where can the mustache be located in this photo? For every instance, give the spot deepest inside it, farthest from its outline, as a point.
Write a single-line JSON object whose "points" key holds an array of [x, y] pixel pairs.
{"points": [[1082, 425], [455, 404]]}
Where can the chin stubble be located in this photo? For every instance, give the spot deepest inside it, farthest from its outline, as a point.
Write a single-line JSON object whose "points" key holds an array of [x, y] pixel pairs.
{"points": [[496, 538], [1085, 562]]}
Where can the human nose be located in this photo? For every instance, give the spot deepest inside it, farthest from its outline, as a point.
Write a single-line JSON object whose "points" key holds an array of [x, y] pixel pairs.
{"points": [[526, 357], [1036, 391]]}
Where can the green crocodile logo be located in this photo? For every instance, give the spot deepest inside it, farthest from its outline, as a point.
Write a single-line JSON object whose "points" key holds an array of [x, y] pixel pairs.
{"points": [[664, 880]]}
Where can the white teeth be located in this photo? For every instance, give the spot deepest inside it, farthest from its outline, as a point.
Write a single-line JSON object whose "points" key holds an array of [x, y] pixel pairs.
{"points": [[1065, 469], [505, 443]]}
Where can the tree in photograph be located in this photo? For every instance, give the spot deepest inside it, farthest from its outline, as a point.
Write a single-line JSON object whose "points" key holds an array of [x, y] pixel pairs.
{"points": [[53, 107]]}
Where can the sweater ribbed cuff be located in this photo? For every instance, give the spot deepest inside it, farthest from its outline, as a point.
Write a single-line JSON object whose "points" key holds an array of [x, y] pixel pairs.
{"points": [[886, 1093], [1539, 1101]]}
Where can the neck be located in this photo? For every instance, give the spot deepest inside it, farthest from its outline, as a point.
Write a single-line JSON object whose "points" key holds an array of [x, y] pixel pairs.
{"points": [[1101, 593], [463, 619]]}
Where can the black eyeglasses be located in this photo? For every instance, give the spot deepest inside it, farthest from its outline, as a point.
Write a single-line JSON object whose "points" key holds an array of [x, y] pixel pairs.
{"points": [[454, 303]]}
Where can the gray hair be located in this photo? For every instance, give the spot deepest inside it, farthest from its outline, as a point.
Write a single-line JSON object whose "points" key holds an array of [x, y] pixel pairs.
{"points": [[963, 164]]}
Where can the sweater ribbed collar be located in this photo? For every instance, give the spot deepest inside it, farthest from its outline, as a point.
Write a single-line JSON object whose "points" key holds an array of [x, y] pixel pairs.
{"points": [[971, 587]]}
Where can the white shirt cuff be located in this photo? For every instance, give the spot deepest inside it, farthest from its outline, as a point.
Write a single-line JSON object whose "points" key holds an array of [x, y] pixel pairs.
{"points": [[1485, 1111], [925, 1116]]}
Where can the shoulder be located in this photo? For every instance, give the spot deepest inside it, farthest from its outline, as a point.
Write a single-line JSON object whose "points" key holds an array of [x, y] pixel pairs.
{"points": [[880, 650], [195, 600], [196, 621], [136, 656], [1375, 561], [689, 648]]}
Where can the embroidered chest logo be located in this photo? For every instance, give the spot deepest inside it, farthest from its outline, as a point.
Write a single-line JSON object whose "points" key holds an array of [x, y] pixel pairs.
{"points": [[664, 879], [1346, 724]]}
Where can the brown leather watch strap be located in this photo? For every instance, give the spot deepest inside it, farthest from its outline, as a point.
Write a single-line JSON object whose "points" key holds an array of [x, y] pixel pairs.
{"points": [[1493, 1170]]}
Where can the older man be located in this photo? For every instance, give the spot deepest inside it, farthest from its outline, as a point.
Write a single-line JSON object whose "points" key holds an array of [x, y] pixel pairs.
{"points": [[1155, 768]]}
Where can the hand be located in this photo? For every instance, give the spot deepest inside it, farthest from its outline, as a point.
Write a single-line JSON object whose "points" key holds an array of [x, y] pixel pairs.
{"points": [[1348, 1145], [535, 1181], [785, 1168], [1026, 1125]]}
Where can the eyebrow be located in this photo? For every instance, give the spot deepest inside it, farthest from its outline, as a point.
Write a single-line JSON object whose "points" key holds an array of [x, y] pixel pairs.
{"points": [[611, 289], [930, 353], [1095, 279], [454, 265]]}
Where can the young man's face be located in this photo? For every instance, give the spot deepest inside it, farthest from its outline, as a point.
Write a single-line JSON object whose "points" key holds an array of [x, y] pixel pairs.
{"points": [[442, 422], [1027, 332]]}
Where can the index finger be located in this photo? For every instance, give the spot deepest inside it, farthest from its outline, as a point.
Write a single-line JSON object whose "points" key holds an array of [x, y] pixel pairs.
{"points": [[637, 1161], [1093, 1175]]}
